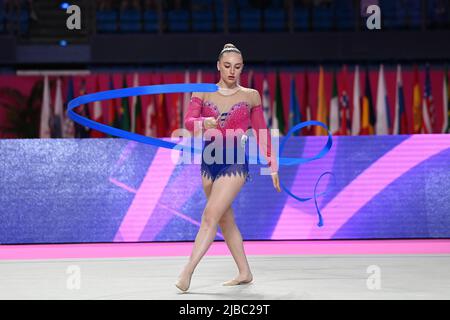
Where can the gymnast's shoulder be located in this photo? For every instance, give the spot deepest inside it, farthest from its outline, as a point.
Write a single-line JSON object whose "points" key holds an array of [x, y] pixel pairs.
{"points": [[199, 95], [253, 96]]}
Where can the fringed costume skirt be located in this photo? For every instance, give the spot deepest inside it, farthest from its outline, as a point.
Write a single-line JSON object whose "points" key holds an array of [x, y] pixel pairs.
{"points": [[225, 158]]}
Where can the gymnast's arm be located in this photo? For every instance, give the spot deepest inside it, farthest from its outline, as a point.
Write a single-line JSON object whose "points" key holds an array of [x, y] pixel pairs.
{"points": [[193, 114], [261, 132]]}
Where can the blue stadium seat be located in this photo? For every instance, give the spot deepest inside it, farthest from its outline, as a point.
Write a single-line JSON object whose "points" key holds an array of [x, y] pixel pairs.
{"points": [[438, 12], [2, 21], [389, 17], [243, 4], [250, 20], [414, 14], [151, 23], [201, 3], [109, 15], [233, 23], [219, 16], [130, 20], [106, 21], [301, 17], [322, 18], [202, 21], [400, 21], [274, 19], [178, 20], [24, 21], [233, 20], [345, 15], [277, 4]]}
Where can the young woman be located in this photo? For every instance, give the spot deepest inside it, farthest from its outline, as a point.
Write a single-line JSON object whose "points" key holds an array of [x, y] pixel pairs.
{"points": [[230, 109]]}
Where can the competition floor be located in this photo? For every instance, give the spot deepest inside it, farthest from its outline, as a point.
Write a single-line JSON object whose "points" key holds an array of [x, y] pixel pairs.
{"points": [[374, 269]]}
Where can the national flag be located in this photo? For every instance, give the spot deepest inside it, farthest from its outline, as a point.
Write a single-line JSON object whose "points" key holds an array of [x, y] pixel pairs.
{"points": [[98, 114], [80, 130], [417, 100], [368, 114], [306, 103], [372, 114], [68, 127], [199, 76], [294, 108], [137, 120], [278, 106], [446, 103], [186, 101], [162, 121], [334, 107], [44, 130], [175, 121], [140, 125], [428, 104], [383, 117], [344, 107], [400, 120], [125, 123], [114, 109], [56, 119], [250, 81], [322, 112], [133, 103], [150, 118], [266, 104], [356, 118]]}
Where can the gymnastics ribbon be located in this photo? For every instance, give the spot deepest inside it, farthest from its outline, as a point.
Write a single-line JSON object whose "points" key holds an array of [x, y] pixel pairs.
{"points": [[181, 88], [296, 161]]}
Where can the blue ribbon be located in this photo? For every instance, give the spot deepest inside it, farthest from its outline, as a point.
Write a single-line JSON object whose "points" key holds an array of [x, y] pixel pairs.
{"points": [[297, 161], [181, 88]]}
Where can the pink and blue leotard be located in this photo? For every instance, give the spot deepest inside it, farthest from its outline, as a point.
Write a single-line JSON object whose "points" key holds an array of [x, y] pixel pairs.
{"points": [[232, 124]]}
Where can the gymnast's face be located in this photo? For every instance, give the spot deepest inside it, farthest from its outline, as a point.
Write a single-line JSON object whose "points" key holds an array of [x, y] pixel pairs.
{"points": [[230, 66]]}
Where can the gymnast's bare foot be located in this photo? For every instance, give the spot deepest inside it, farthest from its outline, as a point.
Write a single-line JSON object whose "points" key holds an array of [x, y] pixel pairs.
{"points": [[184, 280], [240, 279]]}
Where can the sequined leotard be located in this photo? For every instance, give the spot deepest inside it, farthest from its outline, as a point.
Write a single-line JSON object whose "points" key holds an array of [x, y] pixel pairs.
{"points": [[232, 120]]}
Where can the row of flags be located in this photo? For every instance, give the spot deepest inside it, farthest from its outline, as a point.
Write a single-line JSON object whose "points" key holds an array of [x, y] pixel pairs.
{"points": [[366, 118], [157, 121], [163, 114], [56, 124]]}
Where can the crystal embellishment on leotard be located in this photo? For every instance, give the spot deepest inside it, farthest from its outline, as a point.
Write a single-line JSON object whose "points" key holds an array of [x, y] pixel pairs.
{"points": [[244, 139], [229, 114], [222, 119]]}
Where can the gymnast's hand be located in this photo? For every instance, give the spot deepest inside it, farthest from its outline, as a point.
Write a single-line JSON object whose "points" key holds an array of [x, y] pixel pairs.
{"points": [[210, 123], [276, 181]]}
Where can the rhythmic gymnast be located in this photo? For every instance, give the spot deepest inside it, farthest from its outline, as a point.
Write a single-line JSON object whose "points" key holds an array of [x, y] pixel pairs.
{"points": [[229, 112]]}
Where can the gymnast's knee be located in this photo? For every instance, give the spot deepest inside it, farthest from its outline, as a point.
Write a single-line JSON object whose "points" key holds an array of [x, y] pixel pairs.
{"points": [[211, 216], [226, 221]]}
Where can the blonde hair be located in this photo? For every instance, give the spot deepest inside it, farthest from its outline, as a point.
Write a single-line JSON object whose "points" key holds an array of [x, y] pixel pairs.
{"points": [[229, 47]]}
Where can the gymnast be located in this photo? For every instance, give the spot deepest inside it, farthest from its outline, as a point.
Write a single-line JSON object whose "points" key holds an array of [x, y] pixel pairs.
{"points": [[232, 108]]}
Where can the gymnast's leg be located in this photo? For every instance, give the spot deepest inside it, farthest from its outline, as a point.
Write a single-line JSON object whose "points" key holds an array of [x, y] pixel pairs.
{"points": [[223, 192], [233, 238]]}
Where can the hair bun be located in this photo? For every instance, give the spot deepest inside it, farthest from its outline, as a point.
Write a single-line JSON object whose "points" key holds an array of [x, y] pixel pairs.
{"points": [[229, 45]]}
